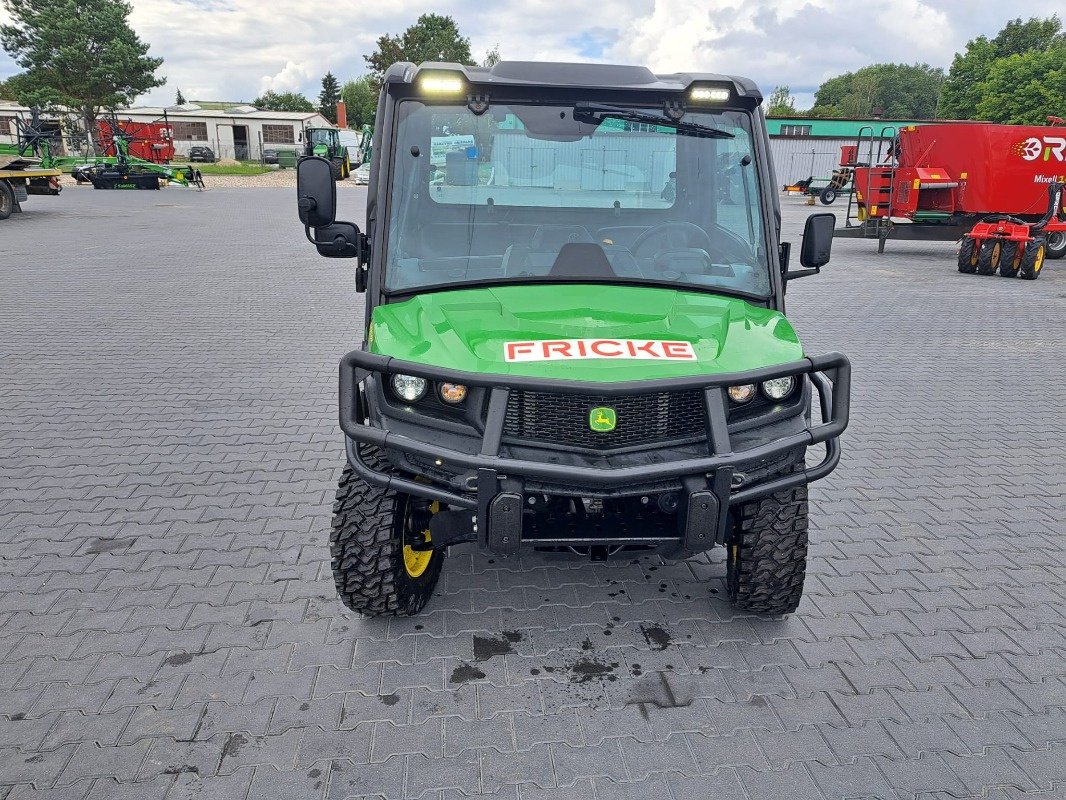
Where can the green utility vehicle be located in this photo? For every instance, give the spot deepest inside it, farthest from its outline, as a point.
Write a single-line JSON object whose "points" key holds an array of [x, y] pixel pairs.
{"points": [[326, 143], [575, 333]]}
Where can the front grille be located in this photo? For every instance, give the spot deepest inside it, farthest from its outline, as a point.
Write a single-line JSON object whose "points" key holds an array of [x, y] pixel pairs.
{"points": [[644, 419]]}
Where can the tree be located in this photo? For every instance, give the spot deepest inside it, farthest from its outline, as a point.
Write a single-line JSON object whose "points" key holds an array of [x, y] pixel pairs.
{"points": [[781, 103], [361, 99], [329, 97], [432, 38], [963, 92], [81, 54], [1025, 88], [492, 56], [7, 92], [283, 101], [899, 91], [179, 98]]}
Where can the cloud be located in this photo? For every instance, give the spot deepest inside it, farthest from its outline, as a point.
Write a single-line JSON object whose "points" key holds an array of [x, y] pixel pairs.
{"points": [[234, 49]]}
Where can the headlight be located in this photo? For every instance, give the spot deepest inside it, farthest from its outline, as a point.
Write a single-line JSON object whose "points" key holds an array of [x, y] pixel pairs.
{"points": [[779, 388], [452, 393], [408, 387], [744, 393]]}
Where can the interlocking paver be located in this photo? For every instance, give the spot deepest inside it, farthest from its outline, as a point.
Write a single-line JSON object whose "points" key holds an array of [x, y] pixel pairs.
{"points": [[169, 626]]}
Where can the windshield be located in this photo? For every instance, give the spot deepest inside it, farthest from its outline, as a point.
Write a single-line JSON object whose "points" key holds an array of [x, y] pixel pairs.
{"points": [[580, 191]]}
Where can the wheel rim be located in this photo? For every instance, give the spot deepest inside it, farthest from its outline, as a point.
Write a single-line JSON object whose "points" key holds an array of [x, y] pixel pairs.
{"points": [[997, 252], [416, 562], [1056, 241], [1038, 262]]}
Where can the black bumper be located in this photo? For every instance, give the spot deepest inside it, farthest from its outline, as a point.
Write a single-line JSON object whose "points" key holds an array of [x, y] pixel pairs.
{"points": [[497, 498]]}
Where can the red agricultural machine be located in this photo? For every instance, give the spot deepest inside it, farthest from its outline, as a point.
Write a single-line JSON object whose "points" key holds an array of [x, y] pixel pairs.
{"points": [[148, 141], [998, 188]]}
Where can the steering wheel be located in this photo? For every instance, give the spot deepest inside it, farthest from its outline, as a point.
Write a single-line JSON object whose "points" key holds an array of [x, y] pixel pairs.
{"points": [[691, 235]]}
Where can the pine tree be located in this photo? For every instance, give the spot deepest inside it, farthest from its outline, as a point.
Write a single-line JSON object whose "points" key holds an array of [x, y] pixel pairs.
{"points": [[180, 98], [329, 97]]}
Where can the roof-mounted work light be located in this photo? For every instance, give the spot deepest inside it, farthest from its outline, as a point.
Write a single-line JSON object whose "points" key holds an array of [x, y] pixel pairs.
{"points": [[442, 84], [708, 94]]}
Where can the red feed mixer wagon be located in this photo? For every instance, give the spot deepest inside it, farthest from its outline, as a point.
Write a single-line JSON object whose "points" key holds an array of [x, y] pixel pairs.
{"points": [[998, 188]]}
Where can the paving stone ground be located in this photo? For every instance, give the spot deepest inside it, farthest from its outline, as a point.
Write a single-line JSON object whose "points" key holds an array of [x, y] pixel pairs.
{"points": [[168, 623]]}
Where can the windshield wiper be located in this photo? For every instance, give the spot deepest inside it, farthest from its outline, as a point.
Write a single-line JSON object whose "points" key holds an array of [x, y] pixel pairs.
{"points": [[597, 113]]}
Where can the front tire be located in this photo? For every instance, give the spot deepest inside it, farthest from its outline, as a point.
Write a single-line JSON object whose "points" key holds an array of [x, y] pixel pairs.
{"points": [[767, 555], [376, 571], [828, 196]]}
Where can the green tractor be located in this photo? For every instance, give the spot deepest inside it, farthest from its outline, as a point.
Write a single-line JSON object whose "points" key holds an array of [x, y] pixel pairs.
{"points": [[326, 143]]}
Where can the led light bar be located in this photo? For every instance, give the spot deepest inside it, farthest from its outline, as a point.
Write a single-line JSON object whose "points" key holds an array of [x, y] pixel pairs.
{"points": [[442, 84], [705, 94]]}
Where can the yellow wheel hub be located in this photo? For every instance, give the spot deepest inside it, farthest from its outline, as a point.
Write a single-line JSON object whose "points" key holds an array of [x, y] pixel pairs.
{"points": [[1039, 262], [416, 562]]}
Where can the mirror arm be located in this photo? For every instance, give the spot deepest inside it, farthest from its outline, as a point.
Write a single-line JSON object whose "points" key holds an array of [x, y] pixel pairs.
{"points": [[792, 274]]}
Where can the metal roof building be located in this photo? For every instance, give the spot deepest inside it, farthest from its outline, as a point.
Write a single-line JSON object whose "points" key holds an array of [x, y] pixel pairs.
{"points": [[241, 132], [806, 146], [238, 131]]}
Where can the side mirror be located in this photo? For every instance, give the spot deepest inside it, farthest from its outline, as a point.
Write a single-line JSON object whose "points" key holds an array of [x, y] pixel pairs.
{"points": [[816, 246], [817, 240], [316, 192]]}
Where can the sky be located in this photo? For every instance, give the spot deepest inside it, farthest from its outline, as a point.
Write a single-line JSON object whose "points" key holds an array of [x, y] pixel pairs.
{"points": [[233, 50]]}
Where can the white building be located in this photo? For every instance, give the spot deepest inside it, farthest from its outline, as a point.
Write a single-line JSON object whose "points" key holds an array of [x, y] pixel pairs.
{"points": [[241, 132]]}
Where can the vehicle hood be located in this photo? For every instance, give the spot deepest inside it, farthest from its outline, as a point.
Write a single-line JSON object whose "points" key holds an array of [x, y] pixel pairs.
{"points": [[468, 330]]}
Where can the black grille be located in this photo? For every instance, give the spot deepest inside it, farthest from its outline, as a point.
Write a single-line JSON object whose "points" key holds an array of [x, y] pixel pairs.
{"points": [[645, 419]]}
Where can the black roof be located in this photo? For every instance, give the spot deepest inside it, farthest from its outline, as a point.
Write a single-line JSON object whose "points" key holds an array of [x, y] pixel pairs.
{"points": [[563, 75]]}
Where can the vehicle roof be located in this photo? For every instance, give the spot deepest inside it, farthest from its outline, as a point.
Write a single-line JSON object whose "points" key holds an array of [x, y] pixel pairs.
{"points": [[565, 75]]}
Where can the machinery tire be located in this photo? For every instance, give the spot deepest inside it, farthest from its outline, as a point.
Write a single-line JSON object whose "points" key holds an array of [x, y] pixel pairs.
{"points": [[1010, 259], [968, 256], [1033, 259], [989, 255], [7, 200], [367, 550], [828, 195], [338, 168], [767, 556], [1056, 244]]}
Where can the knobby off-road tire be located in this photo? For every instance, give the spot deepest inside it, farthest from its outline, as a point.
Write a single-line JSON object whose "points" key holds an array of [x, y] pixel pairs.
{"points": [[367, 549], [1033, 259], [1010, 259], [989, 256], [767, 556], [968, 256]]}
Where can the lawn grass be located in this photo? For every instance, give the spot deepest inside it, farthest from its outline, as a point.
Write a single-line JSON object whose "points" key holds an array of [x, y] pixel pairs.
{"points": [[246, 168]]}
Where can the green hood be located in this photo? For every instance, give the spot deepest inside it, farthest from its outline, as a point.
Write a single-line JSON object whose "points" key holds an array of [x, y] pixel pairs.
{"points": [[467, 330]]}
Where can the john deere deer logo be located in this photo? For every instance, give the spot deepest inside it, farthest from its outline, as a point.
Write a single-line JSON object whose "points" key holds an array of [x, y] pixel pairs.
{"points": [[603, 419]]}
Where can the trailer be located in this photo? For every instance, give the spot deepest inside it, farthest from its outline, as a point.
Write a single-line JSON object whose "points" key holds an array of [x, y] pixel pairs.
{"points": [[936, 182], [20, 178]]}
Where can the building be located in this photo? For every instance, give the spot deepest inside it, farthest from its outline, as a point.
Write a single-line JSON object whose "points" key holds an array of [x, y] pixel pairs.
{"points": [[806, 146], [239, 131]]}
